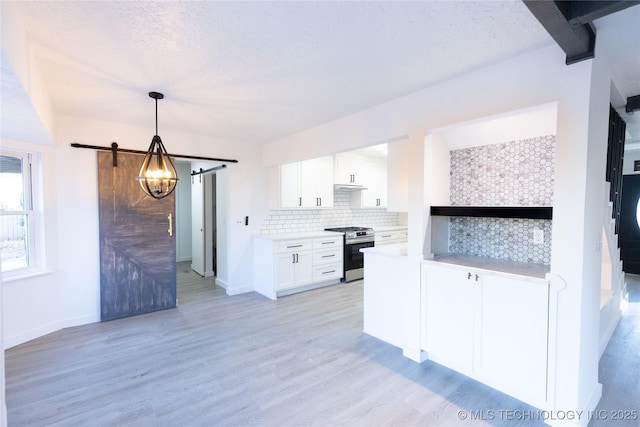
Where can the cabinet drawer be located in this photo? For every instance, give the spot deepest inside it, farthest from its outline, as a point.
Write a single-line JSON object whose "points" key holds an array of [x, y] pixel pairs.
{"points": [[327, 256], [292, 246], [390, 237], [328, 242], [382, 238], [327, 272]]}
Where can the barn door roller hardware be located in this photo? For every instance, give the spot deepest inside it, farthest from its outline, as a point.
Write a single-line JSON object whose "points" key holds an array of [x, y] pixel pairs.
{"points": [[115, 149], [203, 171], [633, 104], [570, 23]]}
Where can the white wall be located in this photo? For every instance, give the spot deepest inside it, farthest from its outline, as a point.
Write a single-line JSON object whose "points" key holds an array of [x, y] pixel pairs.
{"points": [[31, 305], [183, 212], [536, 78], [3, 404], [197, 220]]}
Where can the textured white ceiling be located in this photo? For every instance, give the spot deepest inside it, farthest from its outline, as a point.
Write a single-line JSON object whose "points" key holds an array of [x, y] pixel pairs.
{"points": [[258, 71], [19, 119]]}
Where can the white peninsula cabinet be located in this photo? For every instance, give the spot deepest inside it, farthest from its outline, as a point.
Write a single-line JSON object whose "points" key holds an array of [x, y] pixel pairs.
{"points": [[391, 235], [489, 325], [306, 184], [288, 264]]}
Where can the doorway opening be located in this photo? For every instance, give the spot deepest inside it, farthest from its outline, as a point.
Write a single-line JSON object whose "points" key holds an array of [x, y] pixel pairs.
{"points": [[200, 218]]}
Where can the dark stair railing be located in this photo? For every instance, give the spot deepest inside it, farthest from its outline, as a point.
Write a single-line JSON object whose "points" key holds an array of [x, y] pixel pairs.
{"points": [[615, 156]]}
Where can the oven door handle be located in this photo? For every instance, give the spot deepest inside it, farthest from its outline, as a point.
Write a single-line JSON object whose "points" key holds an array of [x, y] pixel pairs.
{"points": [[368, 239]]}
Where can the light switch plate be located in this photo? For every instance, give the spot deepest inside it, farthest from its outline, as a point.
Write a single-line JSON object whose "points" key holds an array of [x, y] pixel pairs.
{"points": [[538, 237]]}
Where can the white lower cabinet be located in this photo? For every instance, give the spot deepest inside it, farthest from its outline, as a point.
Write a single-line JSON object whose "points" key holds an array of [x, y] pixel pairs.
{"points": [[391, 237], [512, 342], [287, 266], [450, 308], [490, 326], [293, 270]]}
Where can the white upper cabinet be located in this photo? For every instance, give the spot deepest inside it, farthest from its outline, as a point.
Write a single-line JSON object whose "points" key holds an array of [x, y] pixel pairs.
{"points": [[375, 196], [316, 184], [349, 170], [374, 176], [306, 184], [289, 183]]}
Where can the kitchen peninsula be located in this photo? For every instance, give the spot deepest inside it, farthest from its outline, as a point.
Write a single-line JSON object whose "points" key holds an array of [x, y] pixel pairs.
{"points": [[486, 304]]}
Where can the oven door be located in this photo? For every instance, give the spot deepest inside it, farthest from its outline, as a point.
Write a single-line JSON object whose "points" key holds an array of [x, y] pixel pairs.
{"points": [[354, 260]]}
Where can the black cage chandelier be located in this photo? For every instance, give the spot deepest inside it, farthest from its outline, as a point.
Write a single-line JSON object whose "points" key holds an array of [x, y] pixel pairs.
{"points": [[157, 177]]}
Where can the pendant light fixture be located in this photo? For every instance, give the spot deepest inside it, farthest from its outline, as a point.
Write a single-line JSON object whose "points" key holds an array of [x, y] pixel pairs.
{"points": [[157, 177]]}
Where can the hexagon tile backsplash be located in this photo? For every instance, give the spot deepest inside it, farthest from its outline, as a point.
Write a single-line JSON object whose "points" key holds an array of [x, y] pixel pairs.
{"points": [[516, 173], [502, 238]]}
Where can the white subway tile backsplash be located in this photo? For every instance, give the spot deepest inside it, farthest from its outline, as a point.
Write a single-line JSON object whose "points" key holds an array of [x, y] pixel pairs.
{"points": [[282, 221]]}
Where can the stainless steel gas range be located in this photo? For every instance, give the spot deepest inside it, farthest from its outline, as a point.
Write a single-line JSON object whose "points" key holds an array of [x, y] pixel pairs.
{"points": [[355, 238]]}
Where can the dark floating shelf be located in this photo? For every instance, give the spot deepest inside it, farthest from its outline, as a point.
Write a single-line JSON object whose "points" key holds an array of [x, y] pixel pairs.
{"points": [[530, 212]]}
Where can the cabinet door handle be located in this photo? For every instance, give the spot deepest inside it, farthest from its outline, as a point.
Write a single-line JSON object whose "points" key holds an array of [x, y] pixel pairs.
{"points": [[468, 276], [294, 246], [327, 243], [328, 272], [477, 277], [299, 201], [328, 256], [297, 259], [170, 230], [319, 201], [293, 261]]}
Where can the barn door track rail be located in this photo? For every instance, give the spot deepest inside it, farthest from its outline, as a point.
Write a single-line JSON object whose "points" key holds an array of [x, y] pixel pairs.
{"points": [[114, 150]]}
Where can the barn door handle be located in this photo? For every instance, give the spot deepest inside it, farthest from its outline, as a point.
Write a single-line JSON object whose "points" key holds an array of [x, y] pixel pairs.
{"points": [[170, 225]]}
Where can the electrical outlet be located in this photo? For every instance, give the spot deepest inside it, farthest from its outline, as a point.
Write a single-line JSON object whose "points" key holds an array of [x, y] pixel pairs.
{"points": [[538, 237]]}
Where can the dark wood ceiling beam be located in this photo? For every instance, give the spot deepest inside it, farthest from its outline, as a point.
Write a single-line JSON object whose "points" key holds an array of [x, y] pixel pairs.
{"points": [[577, 41], [633, 104], [583, 12]]}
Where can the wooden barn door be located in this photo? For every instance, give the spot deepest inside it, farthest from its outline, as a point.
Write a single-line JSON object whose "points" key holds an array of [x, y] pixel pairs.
{"points": [[137, 252]]}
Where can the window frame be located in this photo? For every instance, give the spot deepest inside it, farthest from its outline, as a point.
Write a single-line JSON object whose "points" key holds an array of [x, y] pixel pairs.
{"points": [[30, 162]]}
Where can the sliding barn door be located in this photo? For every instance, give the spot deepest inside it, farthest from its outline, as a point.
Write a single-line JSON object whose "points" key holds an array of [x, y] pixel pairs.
{"points": [[137, 251]]}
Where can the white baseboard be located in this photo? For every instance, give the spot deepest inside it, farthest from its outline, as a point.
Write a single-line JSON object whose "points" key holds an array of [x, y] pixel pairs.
{"points": [[416, 355], [604, 340], [238, 291], [233, 291], [23, 337], [579, 418], [80, 320], [40, 331]]}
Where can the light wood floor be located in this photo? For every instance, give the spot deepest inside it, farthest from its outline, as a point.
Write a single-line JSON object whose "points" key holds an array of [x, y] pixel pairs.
{"points": [[246, 360]]}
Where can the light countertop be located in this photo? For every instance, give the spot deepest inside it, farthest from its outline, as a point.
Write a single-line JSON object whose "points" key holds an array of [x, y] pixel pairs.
{"points": [[537, 271], [296, 236], [398, 250], [389, 228]]}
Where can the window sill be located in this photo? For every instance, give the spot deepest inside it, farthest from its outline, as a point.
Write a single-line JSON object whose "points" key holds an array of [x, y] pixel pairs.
{"points": [[25, 276]]}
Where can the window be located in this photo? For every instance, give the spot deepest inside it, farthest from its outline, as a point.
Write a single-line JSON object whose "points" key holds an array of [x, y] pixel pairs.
{"points": [[17, 215]]}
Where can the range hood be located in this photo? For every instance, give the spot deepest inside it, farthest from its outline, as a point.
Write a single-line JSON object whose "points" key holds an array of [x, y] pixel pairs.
{"points": [[349, 187]]}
